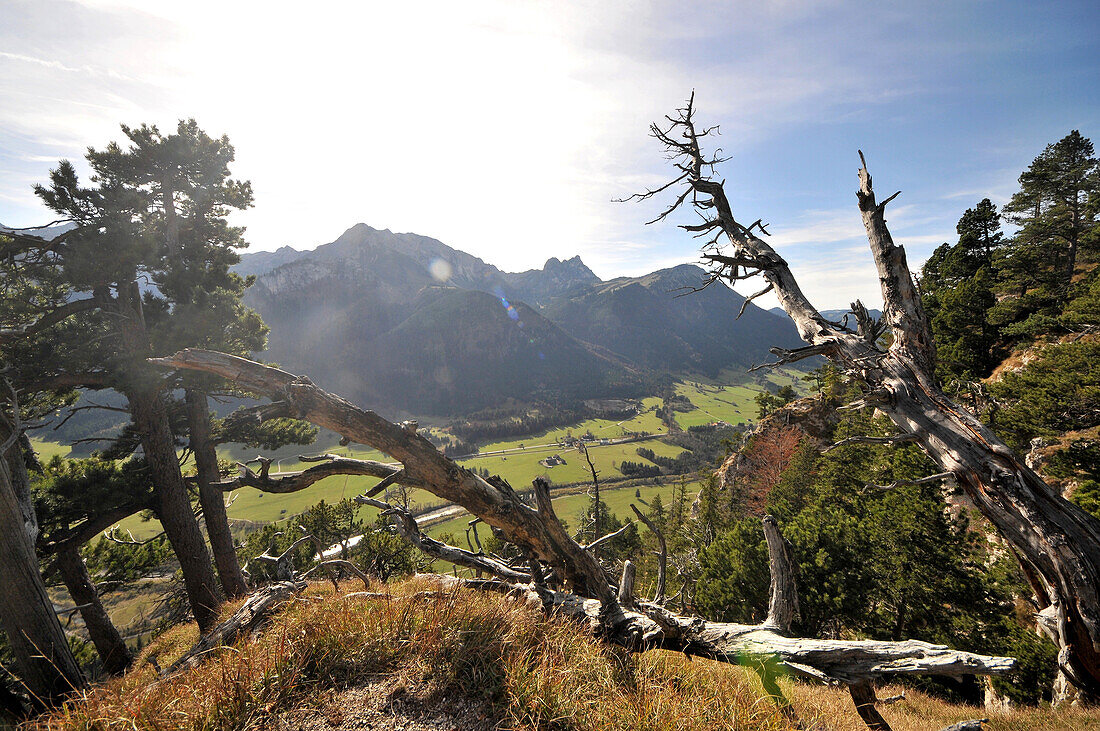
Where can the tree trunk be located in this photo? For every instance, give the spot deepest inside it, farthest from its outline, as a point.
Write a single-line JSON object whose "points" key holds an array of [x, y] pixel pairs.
{"points": [[21, 484], [44, 661], [172, 502], [211, 497], [173, 507], [1057, 539], [103, 633]]}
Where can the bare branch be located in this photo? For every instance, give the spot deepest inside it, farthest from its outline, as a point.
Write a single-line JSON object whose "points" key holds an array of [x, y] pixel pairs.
{"points": [[662, 554], [609, 537], [787, 356], [130, 541], [709, 280], [338, 563], [72, 411], [406, 524], [286, 482], [911, 483], [750, 298], [899, 439]]}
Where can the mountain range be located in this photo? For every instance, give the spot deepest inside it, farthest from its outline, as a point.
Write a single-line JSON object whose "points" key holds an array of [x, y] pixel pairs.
{"points": [[408, 325]]}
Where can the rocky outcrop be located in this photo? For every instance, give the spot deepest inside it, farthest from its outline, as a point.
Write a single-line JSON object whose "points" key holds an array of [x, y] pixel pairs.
{"points": [[769, 445]]}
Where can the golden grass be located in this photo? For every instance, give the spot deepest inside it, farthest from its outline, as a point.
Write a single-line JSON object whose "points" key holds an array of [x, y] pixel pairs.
{"points": [[528, 671], [920, 712], [535, 673]]}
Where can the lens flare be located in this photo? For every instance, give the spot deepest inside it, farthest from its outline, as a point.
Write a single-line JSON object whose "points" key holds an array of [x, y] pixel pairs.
{"points": [[440, 269]]}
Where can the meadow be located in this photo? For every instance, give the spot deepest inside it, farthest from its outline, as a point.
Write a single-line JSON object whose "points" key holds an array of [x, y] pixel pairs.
{"points": [[729, 397], [519, 468]]}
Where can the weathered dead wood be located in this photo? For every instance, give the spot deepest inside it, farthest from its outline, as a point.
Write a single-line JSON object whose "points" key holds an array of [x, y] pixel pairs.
{"points": [[337, 563], [974, 725], [256, 609], [423, 464], [783, 595], [938, 477], [651, 626], [626, 585], [863, 695], [898, 439], [404, 521], [608, 537], [662, 553], [283, 564], [1057, 539], [641, 625], [330, 465]]}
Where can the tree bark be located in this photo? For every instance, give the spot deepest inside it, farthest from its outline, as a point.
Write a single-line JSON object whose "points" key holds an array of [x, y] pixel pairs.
{"points": [[103, 633], [863, 695], [211, 498], [255, 610], [42, 655], [17, 457]]}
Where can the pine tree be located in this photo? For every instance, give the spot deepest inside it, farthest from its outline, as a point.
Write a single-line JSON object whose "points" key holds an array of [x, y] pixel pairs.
{"points": [[957, 288], [157, 215], [1057, 209]]}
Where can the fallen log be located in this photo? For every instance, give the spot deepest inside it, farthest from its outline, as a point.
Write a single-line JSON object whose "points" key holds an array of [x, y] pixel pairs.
{"points": [[254, 612]]}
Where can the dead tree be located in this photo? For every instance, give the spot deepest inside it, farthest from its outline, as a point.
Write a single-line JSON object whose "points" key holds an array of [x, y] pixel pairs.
{"points": [[258, 606], [1055, 539], [584, 591]]}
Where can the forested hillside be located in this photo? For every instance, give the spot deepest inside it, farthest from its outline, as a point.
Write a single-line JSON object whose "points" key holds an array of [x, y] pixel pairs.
{"points": [[1016, 315]]}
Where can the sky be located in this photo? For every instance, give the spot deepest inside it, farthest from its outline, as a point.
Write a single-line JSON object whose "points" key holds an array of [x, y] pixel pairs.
{"points": [[508, 129]]}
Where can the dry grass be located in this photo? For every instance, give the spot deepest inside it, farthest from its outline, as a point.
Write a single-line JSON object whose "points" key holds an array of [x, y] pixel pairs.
{"points": [[461, 650], [919, 712], [533, 672]]}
